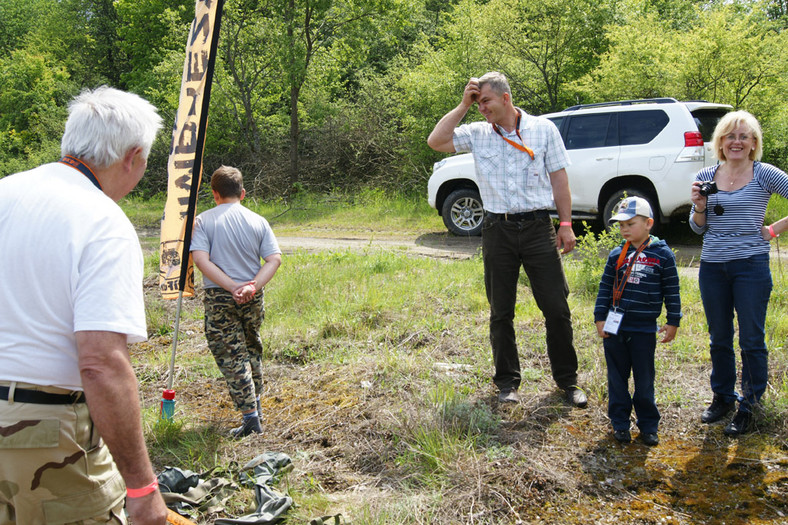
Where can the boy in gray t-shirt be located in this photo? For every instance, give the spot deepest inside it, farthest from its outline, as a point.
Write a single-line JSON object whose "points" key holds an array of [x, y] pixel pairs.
{"points": [[227, 245]]}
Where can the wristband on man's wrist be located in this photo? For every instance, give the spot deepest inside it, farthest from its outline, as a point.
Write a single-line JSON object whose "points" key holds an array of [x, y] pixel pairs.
{"points": [[700, 211], [565, 223], [771, 231], [144, 491]]}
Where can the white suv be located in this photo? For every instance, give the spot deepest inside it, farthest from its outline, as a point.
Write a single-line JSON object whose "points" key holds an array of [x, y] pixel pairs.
{"points": [[650, 148]]}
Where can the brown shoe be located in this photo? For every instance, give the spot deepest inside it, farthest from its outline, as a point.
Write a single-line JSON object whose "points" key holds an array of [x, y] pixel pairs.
{"points": [[508, 396], [575, 396]]}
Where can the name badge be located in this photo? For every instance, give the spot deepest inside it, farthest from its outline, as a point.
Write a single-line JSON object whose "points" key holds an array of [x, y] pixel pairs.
{"points": [[613, 322]]}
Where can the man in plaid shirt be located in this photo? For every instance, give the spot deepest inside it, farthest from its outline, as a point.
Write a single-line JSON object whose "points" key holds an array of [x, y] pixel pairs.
{"points": [[520, 168]]}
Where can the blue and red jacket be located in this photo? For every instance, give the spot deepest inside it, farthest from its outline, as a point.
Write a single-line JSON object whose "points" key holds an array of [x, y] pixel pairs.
{"points": [[652, 281]]}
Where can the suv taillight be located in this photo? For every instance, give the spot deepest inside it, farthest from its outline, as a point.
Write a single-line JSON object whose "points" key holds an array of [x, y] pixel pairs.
{"points": [[692, 138]]}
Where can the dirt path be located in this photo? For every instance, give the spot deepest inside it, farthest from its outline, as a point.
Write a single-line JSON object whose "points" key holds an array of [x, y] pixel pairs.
{"points": [[444, 246], [429, 245]]}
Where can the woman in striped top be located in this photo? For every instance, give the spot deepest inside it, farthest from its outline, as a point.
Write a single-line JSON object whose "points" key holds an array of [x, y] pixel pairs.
{"points": [[734, 268]]}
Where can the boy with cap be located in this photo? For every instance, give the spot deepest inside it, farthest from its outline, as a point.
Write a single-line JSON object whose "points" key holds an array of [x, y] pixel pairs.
{"points": [[639, 276]]}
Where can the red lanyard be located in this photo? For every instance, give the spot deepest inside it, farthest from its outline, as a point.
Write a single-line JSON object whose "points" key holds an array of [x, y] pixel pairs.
{"points": [[620, 283], [521, 147]]}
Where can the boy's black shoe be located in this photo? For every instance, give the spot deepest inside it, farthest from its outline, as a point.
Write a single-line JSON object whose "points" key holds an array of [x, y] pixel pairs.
{"points": [[740, 424], [717, 410], [250, 426], [651, 439], [622, 436]]}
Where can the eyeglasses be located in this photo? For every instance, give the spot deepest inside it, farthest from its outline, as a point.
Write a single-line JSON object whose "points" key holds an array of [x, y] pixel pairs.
{"points": [[731, 137]]}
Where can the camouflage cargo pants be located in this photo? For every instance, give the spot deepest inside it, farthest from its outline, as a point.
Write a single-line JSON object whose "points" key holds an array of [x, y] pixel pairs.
{"points": [[233, 334], [54, 468]]}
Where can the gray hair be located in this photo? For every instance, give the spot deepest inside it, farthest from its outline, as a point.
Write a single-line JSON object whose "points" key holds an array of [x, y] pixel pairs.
{"points": [[105, 123], [497, 82]]}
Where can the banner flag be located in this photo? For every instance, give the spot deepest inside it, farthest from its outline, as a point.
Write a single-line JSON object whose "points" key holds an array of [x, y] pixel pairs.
{"points": [[184, 168]]}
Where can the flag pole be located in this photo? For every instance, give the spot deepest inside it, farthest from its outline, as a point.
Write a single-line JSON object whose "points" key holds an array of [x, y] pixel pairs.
{"points": [[171, 376], [176, 273], [167, 411]]}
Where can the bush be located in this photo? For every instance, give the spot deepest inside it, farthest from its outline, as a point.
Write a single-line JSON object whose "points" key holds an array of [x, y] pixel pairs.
{"points": [[588, 259]]}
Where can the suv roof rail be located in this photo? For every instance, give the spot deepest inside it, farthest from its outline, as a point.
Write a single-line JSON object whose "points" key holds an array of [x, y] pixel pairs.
{"points": [[661, 100]]}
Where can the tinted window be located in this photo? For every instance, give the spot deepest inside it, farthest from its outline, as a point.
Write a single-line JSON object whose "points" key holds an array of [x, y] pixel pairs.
{"points": [[557, 121], [706, 120], [640, 127], [587, 131]]}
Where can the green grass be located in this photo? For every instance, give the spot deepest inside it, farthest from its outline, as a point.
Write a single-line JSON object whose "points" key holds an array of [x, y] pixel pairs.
{"points": [[378, 373], [364, 213]]}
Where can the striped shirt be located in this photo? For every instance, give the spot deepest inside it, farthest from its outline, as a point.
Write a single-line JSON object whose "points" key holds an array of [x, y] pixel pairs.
{"points": [[509, 180], [734, 218]]}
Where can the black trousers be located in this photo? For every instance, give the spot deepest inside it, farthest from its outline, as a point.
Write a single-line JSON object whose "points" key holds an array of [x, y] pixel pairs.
{"points": [[507, 245]]}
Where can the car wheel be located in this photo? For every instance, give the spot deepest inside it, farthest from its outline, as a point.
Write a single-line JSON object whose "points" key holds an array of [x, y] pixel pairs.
{"points": [[616, 197], [463, 212]]}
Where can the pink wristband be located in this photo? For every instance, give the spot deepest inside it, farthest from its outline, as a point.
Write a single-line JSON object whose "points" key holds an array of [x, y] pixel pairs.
{"points": [[144, 491], [771, 231], [565, 223]]}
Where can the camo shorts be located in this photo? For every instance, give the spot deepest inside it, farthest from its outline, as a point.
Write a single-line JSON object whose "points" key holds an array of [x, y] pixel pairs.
{"points": [[233, 334], [54, 467]]}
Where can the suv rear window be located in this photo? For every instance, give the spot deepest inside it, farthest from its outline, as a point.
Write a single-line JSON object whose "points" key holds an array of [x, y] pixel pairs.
{"points": [[707, 119], [640, 127]]}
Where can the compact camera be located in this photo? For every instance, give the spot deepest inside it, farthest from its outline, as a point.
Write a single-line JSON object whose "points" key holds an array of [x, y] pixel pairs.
{"points": [[708, 188]]}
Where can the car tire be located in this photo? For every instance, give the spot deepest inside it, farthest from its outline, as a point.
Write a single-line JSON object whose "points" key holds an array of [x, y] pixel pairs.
{"points": [[463, 213], [617, 196]]}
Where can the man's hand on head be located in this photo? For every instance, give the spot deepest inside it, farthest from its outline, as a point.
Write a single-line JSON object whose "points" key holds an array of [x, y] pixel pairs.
{"points": [[471, 92]]}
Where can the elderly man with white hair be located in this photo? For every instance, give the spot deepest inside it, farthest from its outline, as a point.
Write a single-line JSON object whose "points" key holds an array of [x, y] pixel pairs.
{"points": [[71, 442]]}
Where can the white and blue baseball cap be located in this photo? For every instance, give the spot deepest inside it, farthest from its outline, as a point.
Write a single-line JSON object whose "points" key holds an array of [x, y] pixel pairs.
{"points": [[631, 207]]}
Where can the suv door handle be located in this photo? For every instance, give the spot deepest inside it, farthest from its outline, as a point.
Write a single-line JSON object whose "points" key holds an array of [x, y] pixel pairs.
{"points": [[605, 158]]}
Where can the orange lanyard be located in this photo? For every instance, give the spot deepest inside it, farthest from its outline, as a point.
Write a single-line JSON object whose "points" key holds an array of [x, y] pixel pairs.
{"points": [[77, 164], [521, 147], [620, 283]]}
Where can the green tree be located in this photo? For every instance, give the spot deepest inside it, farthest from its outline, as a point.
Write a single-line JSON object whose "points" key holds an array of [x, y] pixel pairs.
{"points": [[148, 32], [311, 27], [543, 46], [34, 91], [248, 77], [722, 68], [18, 18], [727, 56], [641, 62]]}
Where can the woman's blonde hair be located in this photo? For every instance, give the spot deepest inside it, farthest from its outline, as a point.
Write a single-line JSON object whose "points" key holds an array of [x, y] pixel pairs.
{"points": [[730, 122]]}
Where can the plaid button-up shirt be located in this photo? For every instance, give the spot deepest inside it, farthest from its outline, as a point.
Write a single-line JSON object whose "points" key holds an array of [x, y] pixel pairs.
{"points": [[509, 180]]}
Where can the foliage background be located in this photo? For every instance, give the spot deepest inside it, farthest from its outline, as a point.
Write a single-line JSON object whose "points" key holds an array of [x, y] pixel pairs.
{"points": [[329, 94]]}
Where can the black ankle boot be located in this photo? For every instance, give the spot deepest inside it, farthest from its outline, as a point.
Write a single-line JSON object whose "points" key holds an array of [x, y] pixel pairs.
{"points": [[251, 426]]}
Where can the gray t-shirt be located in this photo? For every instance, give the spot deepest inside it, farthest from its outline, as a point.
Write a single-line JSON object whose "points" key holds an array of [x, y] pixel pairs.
{"points": [[235, 238]]}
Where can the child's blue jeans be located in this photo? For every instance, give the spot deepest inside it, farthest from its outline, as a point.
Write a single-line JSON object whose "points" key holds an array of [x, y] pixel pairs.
{"points": [[624, 353]]}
